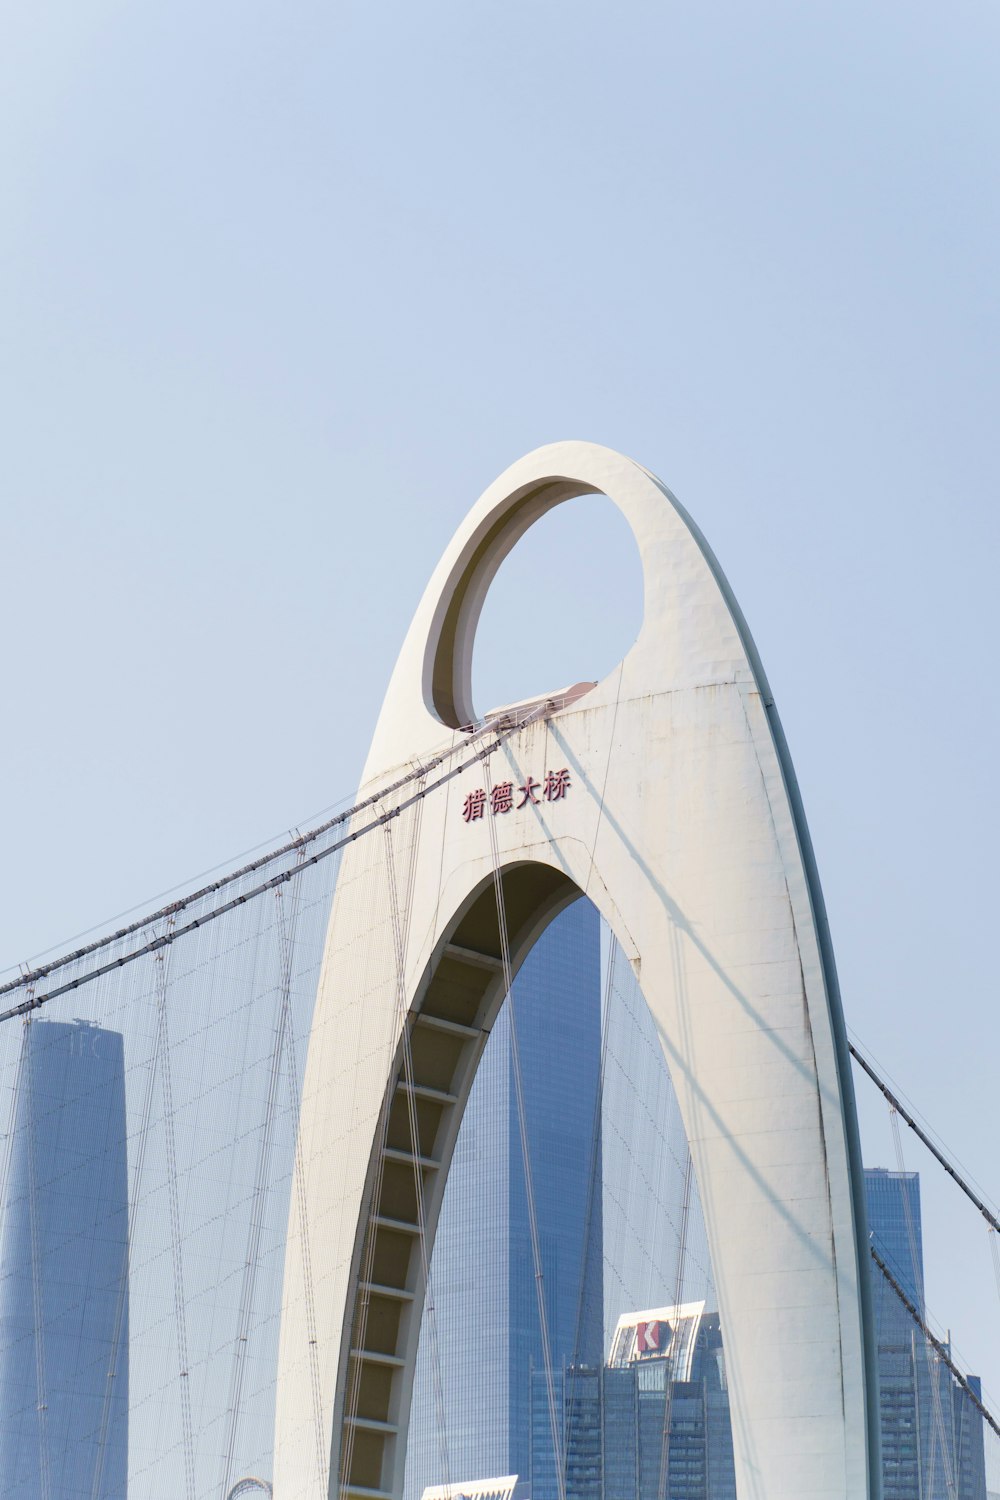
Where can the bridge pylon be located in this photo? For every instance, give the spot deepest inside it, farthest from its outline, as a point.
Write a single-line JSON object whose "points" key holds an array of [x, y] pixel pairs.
{"points": [[664, 793]]}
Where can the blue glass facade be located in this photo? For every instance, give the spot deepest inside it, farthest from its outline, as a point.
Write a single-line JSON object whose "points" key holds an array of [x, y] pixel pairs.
{"points": [[612, 1420], [893, 1215], [482, 1270], [64, 1270], [932, 1435]]}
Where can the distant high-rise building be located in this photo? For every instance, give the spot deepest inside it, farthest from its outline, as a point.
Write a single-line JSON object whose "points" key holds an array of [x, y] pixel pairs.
{"points": [[488, 1335], [652, 1423], [932, 1434], [64, 1271], [509, 1487], [894, 1220]]}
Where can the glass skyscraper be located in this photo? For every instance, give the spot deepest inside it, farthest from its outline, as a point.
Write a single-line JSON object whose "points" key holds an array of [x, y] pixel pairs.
{"points": [[64, 1271], [488, 1336], [651, 1424], [932, 1435], [895, 1223]]}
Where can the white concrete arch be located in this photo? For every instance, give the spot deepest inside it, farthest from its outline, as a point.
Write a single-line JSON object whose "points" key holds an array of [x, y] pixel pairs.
{"points": [[682, 822]]}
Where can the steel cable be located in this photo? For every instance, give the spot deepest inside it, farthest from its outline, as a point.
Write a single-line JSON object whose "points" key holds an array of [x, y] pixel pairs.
{"points": [[154, 945], [400, 940], [522, 1120], [918, 1276], [939, 1348], [922, 1135], [261, 1184]]}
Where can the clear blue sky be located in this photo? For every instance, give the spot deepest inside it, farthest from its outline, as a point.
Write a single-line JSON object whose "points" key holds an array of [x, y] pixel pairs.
{"points": [[284, 287]]}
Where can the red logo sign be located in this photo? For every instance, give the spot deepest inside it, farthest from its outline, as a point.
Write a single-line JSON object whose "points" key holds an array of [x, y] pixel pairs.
{"points": [[649, 1338]]}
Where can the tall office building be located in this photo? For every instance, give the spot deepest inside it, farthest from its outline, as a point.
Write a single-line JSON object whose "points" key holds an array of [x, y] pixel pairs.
{"points": [[645, 1157], [894, 1221], [650, 1424], [64, 1271], [932, 1434], [488, 1335]]}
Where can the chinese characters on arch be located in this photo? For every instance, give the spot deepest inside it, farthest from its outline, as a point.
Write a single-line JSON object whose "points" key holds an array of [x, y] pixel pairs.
{"points": [[505, 797]]}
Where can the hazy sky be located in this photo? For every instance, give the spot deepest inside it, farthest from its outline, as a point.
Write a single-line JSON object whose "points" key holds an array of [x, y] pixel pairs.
{"points": [[285, 286]]}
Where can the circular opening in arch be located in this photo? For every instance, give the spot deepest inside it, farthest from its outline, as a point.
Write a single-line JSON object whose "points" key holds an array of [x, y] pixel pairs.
{"points": [[564, 607]]}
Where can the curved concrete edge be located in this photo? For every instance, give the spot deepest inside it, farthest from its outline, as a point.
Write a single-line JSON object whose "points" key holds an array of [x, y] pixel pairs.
{"points": [[685, 825]]}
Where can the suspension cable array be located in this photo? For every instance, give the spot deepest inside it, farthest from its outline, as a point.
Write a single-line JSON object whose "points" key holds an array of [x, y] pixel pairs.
{"points": [[503, 726]]}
